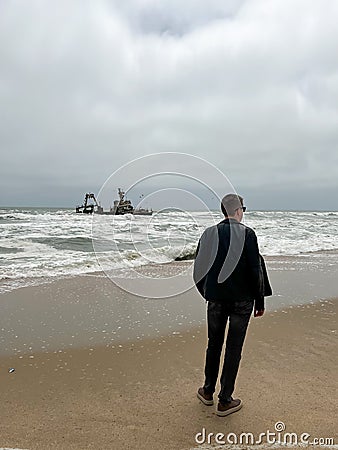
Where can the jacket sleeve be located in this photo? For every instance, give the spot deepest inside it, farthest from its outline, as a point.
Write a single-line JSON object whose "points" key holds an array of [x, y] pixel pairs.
{"points": [[255, 269], [198, 279], [267, 286]]}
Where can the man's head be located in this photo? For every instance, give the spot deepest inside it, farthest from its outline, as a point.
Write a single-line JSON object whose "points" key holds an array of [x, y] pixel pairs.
{"points": [[232, 206]]}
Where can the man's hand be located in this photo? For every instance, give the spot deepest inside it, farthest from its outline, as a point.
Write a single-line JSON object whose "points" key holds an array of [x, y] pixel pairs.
{"points": [[258, 312]]}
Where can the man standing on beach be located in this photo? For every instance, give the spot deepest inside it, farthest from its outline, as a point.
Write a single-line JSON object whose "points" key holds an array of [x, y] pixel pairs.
{"points": [[230, 274]]}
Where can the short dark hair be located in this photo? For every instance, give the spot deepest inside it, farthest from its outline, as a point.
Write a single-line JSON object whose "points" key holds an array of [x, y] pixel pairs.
{"points": [[230, 203]]}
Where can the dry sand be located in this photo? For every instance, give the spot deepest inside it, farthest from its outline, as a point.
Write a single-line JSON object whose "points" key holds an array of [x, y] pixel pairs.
{"points": [[142, 394]]}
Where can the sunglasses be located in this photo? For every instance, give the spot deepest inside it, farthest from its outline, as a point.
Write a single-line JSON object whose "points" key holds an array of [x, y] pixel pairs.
{"points": [[243, 208]]}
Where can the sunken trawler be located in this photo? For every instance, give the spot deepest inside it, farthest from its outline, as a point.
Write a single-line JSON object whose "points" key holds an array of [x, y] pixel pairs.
{"points": [[120, 207]]}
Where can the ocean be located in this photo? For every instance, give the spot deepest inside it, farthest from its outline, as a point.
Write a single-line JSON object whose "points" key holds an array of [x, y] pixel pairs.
{"points": [[39, 244]]}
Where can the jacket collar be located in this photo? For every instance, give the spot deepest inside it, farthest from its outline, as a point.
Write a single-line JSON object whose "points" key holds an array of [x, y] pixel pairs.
{"points": [[229, 220]]}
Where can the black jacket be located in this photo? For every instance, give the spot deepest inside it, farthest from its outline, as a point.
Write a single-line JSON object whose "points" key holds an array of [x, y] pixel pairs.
{"points": [[228, 266]]}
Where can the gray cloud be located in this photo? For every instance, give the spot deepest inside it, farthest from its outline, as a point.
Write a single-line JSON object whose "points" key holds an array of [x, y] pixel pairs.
{"points": [[252, 87], [175, 17]]}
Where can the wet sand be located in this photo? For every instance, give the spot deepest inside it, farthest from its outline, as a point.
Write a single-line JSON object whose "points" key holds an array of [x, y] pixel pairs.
{"points": [[91, 310], [139, 391]]}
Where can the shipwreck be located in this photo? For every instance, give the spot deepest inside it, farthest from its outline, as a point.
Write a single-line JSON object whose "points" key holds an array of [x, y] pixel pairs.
{"points": [[120, 207]]}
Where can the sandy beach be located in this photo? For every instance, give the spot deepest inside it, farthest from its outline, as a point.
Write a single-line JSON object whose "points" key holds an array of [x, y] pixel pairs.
{"points": [[136, 389]]}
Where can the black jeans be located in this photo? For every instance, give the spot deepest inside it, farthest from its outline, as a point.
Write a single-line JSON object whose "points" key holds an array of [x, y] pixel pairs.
{"points": [[218, 313]]}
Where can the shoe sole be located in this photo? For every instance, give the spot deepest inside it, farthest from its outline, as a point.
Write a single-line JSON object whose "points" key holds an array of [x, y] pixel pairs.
{"points": [[229, 411], [203, 400]]}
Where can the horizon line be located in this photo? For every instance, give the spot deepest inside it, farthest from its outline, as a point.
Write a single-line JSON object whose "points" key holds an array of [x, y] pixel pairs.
{"points": [[196, 210]]}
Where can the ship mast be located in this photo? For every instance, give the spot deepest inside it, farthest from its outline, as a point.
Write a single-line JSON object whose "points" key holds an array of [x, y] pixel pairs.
{"points": [[121, 194]]}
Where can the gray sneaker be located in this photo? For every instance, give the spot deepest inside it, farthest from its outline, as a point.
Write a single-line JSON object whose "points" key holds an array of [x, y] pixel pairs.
{"points": [[224, 409]]}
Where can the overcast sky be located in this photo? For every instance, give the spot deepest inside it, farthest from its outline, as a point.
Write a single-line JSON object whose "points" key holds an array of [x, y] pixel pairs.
{"points": [[250, 86]]}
